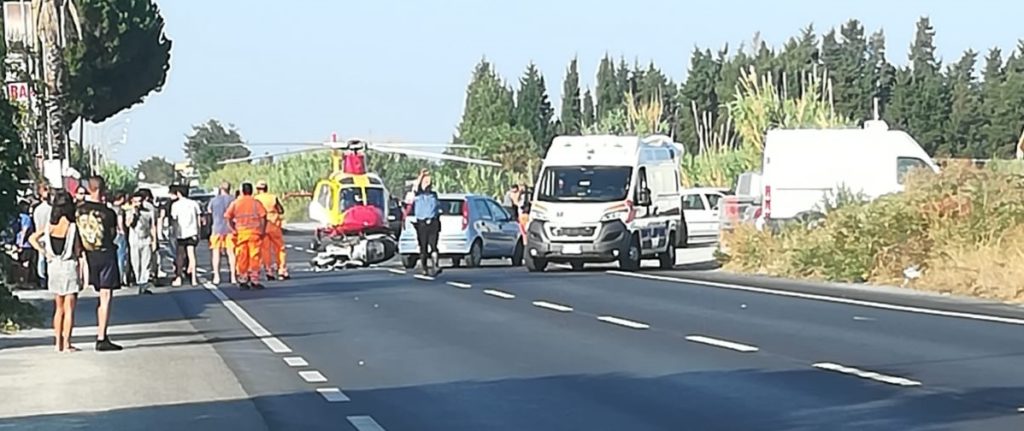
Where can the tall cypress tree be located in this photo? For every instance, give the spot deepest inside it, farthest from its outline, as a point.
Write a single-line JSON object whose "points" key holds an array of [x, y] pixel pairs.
{"points": [[1009, 112], [920, 102], [700, 90], [798, 57], [533, 110], [572, 116], [852, 79], [488, 103], [993, 133], [965, 117], [882, 73], [589, 117], [609, 92]]}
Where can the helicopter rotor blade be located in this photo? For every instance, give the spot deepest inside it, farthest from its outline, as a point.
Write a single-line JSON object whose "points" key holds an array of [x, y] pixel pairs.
{"points": [[267, 144], [263, 156], [429, 155]]}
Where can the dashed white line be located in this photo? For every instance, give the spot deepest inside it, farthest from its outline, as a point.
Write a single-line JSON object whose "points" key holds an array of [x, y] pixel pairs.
{"points": [[499, 294], [553, 306], [396, 271], [460, 285], [863, 319], [275, 345], [312, 376], [333, 395], [623, 322], [826, 298], [423, 277], [295, 361], [871, 375], [364, 423], [722, 343]]}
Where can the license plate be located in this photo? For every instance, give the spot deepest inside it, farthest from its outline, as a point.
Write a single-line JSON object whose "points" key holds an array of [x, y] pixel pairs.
{"points": [[572, 249]]}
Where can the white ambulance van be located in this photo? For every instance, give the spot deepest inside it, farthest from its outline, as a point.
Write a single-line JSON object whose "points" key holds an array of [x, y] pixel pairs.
{"points": [[601, 199]]}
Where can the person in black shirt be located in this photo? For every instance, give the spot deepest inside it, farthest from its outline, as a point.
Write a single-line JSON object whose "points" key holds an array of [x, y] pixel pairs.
{"points": [[97, 226]]}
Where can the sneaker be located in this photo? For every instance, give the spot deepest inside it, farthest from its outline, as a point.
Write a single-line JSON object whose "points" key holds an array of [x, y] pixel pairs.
{"points": [[270, 277], [216, 280], [284, 277], [176, 283], [105, 345], [257, 286], [244, 286]]}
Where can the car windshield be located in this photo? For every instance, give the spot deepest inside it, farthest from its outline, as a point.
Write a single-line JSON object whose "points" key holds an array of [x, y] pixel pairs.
{"points": [[584, 183], [351, 197]]}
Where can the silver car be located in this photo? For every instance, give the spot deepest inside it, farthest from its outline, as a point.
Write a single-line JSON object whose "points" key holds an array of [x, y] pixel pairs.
{"points": [[473, 228]]}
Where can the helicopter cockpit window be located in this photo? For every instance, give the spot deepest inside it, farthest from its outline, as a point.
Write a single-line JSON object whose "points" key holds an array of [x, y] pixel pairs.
{"points": [[351, 197]]}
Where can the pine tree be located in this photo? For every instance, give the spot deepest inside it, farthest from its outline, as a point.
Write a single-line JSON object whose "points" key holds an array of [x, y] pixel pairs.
{"points": [[851, 79], [799, 56], [622, 78], [965, 117], [488, 104], [572, 117], [882, 73], [699, 90], [533, 110], [993, 133], [1009, 113], [609, 92], [920, 100], [589, 117]]}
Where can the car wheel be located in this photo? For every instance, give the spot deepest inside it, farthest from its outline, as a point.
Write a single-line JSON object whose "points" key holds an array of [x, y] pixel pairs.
{"points": [[629, 259], [535, 264], [576, 265], [409, 261], [667, 260], [684, 239], [517, 255], [475, 255]]}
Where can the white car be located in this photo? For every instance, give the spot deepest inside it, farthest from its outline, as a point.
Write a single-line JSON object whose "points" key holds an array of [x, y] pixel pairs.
{"points": [[700, 208]]}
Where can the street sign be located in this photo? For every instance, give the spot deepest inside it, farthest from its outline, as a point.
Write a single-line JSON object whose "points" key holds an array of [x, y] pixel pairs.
{"points": [[19, 92]]}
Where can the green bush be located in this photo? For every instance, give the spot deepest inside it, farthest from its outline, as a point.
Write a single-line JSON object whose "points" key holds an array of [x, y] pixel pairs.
{"points": [[15, 314]]}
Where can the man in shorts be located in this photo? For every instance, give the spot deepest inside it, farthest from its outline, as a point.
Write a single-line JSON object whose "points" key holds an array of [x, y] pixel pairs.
{"points": [[97, 227], [185, 214], [221, 238]]}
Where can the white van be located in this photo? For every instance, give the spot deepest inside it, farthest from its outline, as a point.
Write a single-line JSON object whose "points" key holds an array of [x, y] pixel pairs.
{"points": [[607, 199], [802, 168]]}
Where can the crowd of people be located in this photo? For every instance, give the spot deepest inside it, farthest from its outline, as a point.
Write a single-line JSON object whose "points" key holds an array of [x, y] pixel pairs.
{"points": [[105, 241]]}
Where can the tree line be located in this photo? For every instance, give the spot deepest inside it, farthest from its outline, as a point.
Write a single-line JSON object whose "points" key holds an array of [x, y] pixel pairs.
{"points": [[956, 109]]}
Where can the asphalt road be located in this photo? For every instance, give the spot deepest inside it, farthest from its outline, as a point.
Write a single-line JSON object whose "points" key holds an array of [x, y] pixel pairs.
{"points": [[499, 349]]}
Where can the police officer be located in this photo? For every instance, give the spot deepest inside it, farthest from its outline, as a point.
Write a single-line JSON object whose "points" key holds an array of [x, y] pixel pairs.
{"points": [[427, 212]]}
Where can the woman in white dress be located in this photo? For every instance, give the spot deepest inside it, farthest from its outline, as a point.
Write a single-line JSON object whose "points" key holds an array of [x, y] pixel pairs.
{"points": [[61, 246]]}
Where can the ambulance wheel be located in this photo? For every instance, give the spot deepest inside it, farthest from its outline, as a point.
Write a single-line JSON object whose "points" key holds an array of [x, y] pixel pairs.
{"points": [[629, 258], [667, 260], [409, 261], [536, 264]]}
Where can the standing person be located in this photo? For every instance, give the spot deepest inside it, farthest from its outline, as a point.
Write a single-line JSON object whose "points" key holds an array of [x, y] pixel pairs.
{"points": [[185, 214], [26, 254], [121, 241], [59, 244], [248, 220], [427, 211], [149, 203], [273, 242], [40, 218], [97, 227], [511, 200], [141, 222], [221, 238]]}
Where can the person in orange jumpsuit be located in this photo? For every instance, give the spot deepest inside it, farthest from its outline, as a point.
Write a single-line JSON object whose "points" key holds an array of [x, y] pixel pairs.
{"points": [[273, 251], [248, 220]]}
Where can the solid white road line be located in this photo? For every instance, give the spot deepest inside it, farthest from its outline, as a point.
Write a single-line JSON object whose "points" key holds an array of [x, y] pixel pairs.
{"points": [[553, 306], [423, 277], [295, 361], [871, 375], [333, 395], [623, 322], [460, 285], [364, 423], [826, 298], [499, 294], [396, 271], [722, 343], [275, 345], [312, 376]]}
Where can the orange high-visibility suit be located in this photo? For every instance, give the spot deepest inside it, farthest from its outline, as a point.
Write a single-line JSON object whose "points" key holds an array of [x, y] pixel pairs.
{"points": [[248, 217], [273, 242]]}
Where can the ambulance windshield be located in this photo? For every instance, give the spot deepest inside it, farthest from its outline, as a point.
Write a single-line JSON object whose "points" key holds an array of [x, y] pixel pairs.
{"points": [[584, 183]]}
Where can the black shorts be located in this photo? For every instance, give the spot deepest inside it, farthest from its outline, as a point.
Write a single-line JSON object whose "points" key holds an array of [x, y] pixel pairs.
{"points": [[188, 242], [103, 271]]}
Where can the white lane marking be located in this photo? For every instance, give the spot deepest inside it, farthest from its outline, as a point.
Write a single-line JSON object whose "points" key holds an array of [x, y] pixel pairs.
{"points": [[826, 298], [423, 277], [364, 423], [333, 395], [300, 249], [396, 271], [201, 270], [288, 246], [275, 345], [312, 376], [623, 322], [863, 319], [295, 361], [722, 343], [553, 306], [499, 294], [1020, 410], [460, 285], [871, 375]]}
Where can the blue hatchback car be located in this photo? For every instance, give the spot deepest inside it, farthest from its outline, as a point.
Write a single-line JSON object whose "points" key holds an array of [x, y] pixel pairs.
{"points": [[473, 228]]}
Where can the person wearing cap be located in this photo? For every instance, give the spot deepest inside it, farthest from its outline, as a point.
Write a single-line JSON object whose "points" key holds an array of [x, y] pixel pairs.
{"points": [[272, 251], [248, 220]]}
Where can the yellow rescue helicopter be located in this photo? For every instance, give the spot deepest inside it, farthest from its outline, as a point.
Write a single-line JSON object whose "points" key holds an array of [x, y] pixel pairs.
{"points": [[352, 206]]}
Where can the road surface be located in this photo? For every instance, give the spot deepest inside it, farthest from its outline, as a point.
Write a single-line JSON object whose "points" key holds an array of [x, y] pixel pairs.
{"points": [[500, 349]]}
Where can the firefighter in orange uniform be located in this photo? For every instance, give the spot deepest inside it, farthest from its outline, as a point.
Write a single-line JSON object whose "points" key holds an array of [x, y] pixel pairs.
{"points": [[273, 242], [248, 220]]}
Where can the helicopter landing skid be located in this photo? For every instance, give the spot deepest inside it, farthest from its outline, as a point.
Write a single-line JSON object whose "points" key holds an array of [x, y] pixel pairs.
{"points": [[354, 252]]}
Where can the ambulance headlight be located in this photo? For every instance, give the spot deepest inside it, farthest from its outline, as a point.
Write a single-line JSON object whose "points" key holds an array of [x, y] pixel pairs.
{"points": [[615, 215], [539, 215]]}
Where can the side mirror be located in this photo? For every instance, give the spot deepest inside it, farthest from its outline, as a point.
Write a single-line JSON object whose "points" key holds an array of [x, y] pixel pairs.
{"points": [[644, 198]]}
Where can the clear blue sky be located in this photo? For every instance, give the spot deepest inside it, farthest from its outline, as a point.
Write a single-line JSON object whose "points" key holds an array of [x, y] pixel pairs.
{"points": [[397, 69]]}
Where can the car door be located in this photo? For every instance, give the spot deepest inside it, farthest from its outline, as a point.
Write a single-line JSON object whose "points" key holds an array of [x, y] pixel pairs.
{"points": [[508, 229], [485, 226], [713, 201], [698, 221]]}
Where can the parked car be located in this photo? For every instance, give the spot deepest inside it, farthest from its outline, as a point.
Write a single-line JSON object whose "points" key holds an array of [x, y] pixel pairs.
{"points": [[473, 228], [701, 210]]}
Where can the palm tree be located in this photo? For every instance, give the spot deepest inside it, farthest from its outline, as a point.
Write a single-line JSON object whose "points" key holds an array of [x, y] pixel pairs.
{"points": [[57, 23]]}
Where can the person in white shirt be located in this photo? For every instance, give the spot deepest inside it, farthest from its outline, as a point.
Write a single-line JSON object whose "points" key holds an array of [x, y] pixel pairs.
{"points": [[41, 219], [185, 217]]}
